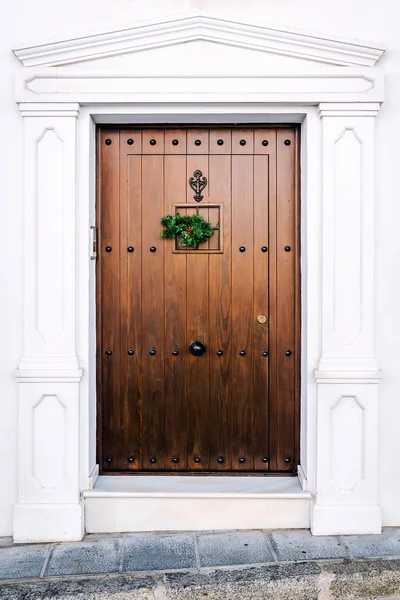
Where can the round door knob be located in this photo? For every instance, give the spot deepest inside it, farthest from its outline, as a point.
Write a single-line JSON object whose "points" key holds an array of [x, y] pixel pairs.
{"points": [[108, 459], [108, 249], [175, 352], [153, 248], [197, 459], [152, 352], [242, 353], [130, 248], [288, 353], [220, 459], [108, 352], [287, 248], [131, 459], [264, 459], [264, 249], [287, 459], [175, 459], [153, 460], [242, 459], [264, 353], [197, 348], [131, 352], [220, 352], [242, 249]]}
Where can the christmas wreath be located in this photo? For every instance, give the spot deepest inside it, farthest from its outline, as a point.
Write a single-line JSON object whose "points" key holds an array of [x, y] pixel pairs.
{"points": [[192, 230]]}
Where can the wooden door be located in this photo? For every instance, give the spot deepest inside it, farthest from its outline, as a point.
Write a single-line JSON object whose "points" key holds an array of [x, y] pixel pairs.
{"points": [[236, 407]]}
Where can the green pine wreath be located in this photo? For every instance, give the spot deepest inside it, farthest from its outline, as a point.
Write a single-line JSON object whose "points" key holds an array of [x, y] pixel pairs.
{"points": [[192, 230]]}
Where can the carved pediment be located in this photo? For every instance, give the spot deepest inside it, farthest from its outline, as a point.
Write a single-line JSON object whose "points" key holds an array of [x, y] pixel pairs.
{"points": [[188, 36]]}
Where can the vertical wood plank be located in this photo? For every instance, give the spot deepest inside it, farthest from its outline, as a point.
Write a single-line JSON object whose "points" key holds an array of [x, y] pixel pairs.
{"points": [[242, 310], [261, 306], [109, 263], [153, 314], [130, 302], [285, 287], [197, 381], [175, 316], [221, 319]]}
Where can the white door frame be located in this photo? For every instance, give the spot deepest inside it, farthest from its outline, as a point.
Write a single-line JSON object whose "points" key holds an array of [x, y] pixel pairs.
{"points": [[57, 422]]}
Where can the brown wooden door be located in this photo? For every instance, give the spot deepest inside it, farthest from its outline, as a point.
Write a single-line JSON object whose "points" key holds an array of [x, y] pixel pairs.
{"points": [[235, 408]]}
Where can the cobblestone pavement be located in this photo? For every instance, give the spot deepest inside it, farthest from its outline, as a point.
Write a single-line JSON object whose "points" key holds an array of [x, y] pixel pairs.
{"points": [[255, 564]]}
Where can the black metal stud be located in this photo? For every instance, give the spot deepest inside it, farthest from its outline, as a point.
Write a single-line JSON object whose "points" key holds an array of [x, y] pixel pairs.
{"points": [[287, 248], [197, 348], [108, 249], [153, 460], [130, 141], [153, 249], [264, 353], [131, 459], [287, 459], [288, 353], [197, 143], [108, 352], [242, 142], [109, 460], [175, 352], [265, 142], [242, 353], [175, 143], [131, 352], [242, 459], [220, 352], [264, 249], [153, 142], [108, 142], [220, 460], [175, 459], [197, 459], [287, 142], [152, 352], [242, 249], [130, 248], [220, 142], [264, 459]]}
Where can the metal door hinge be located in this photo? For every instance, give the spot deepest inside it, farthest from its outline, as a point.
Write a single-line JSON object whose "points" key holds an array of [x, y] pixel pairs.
{"points": [[93, 242]]}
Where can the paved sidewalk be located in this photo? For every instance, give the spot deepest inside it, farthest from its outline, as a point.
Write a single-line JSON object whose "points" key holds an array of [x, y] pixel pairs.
{"points": [[191, 565]]}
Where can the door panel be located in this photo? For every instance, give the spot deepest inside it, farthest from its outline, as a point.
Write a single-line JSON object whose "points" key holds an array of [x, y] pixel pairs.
{"points": [[234, 409]]}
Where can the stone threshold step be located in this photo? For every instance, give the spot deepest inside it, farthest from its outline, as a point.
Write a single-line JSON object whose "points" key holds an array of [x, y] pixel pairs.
{"points": [[178, 503]]}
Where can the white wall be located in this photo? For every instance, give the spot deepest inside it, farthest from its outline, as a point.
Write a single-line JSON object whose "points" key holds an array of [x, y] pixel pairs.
{"points": [[24, 22]]}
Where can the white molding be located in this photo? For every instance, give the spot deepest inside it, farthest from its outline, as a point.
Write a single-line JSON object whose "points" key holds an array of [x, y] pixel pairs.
{"points": [[94, 474], [302, 478], [182, 29], [285, 85]]}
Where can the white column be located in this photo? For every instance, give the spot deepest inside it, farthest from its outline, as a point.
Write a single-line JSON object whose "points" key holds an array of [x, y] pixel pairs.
{"points": [[346, 499], [49, 506]]}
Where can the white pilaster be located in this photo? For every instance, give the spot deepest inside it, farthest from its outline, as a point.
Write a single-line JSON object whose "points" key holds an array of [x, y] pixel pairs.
{"points": [[346, 499], [49, 506]]}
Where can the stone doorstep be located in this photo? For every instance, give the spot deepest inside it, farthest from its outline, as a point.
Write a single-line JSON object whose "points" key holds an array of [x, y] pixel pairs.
{"points": [[344, 580]]}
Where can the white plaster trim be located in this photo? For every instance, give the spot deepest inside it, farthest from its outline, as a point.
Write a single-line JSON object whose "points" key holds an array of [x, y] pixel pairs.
{"points": [[302, 478], [48, 375], [93, 476], [169, 31], [347, 376], [285, 85]]}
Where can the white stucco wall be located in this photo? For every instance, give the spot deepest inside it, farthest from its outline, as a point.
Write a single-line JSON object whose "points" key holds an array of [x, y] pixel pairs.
{"points": [[24, 23]]}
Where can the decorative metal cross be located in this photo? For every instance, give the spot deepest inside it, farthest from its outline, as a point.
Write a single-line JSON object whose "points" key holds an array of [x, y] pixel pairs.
{"points": [[198, 183]]}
